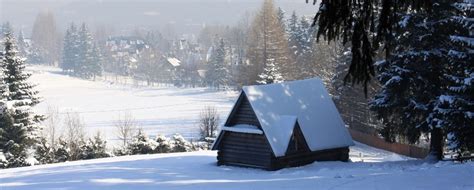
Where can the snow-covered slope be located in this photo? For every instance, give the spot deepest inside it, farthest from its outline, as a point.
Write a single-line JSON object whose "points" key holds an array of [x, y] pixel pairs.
{"points": [[198, 170], [164, 110]]}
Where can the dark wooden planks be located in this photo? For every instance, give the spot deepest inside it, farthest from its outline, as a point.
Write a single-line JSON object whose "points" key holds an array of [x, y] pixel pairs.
{"points": [[243, 113], [250, 150], [300, 159]]}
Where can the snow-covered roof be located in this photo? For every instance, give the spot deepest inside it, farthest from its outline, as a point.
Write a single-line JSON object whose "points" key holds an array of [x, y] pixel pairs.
{"points": [[279, 134], [173, 61], [243, 128], [279, 107]]}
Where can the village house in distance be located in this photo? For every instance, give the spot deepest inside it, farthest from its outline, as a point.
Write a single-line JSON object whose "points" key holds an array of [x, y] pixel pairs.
{"points": [[283, 125]]}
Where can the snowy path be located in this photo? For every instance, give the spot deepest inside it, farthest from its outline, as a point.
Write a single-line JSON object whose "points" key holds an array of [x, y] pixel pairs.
{"points": [[164, 110], [197, 170]]}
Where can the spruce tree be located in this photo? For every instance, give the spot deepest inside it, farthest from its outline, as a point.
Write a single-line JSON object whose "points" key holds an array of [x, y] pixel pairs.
{"points": [[417, 79], [13, 141], [85, 53], [454, 111], [141, 144], [95, 148], [96, 62], [44, 153], [163, 144], [271, 73], [21, 95], [180, 144], [22, 45], [62, 151], [301, 42], [367, 25], [217, 73], [70, 56]]}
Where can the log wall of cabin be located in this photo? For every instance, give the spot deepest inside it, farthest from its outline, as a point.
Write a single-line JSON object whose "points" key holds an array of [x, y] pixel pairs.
{"points": [[300, 159], [244, 149]]}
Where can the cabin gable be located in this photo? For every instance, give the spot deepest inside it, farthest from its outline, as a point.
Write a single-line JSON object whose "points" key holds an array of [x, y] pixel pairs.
{"points": [[243, 113], [297, 142]]}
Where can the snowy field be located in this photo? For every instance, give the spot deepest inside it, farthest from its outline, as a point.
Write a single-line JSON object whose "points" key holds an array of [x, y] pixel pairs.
{"points": [[164, 110], [198, 170]]}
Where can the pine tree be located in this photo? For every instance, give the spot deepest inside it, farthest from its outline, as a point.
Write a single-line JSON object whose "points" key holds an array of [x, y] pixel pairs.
{"points": [[271, 74], [21, 95], [95, 148], [22, 45], [70, 48], [5, 29], [301, 45], [163, 144], [62, 151], [86, 62], [180, 144], [281, 17], [367, 25], [9, 132], [3, 89], [44, 153], [416, 77], [13, 140], [217, 73], [454, 111], [96, 62], [141, 144]]}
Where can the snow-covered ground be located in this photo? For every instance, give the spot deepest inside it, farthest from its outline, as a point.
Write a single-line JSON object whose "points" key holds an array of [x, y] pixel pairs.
{"points": [[198, 170], [164, 110]]}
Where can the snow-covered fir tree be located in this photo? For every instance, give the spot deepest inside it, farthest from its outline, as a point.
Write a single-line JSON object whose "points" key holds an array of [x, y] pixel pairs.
{"points": [[454, 111], [141, 144], [414, 80], [44, 153], [95, 68], [281, 17], [95, 148], [86, 51], [300, 42], [13, 141], [22, 45], [5, 28], [62, 151], [217, 72], [163, 144], [70, 49], [180, 144], [80, 54], [271, 73], [20, 96]]}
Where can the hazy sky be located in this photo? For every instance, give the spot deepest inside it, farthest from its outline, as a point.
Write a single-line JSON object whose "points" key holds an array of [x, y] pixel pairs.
{"points": [[186, 16]]}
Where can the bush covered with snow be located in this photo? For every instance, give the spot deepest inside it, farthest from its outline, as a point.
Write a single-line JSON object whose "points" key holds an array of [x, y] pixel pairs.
{"points": [[141, 144], [163, 144], [180, 144]]}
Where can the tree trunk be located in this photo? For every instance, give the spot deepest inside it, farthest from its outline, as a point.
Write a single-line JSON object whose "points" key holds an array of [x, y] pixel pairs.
{"points": [[436, 144]]}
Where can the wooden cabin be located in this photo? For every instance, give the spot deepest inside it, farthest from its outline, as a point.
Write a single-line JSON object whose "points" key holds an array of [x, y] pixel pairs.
{"points": [[283, 125]]}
